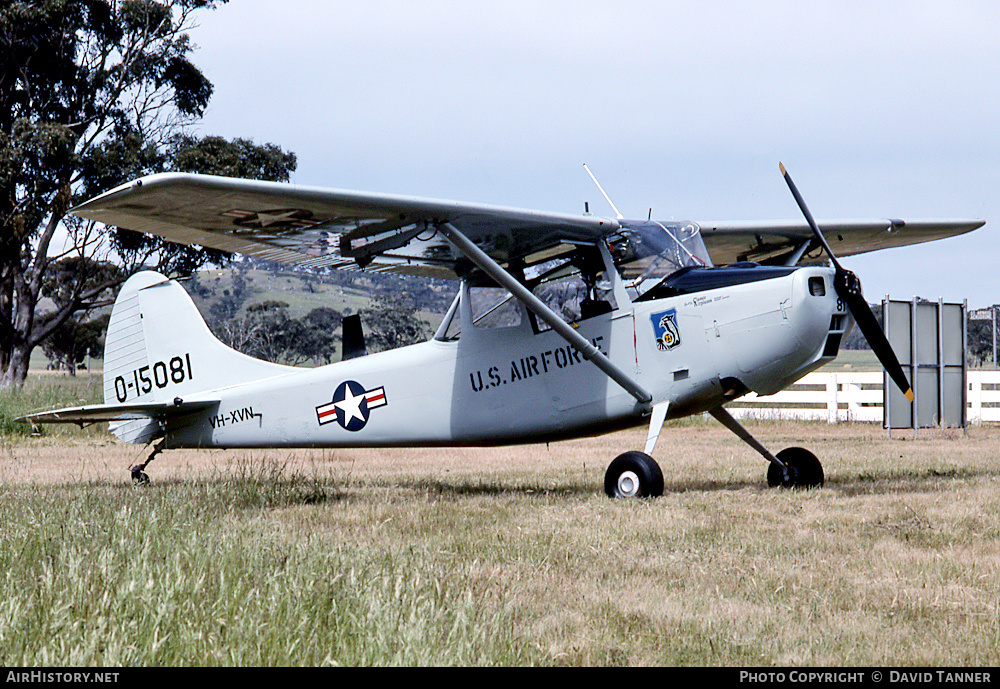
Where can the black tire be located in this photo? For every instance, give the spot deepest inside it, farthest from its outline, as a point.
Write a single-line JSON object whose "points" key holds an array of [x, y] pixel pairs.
{"points": [[804, 470], [633, 475]]}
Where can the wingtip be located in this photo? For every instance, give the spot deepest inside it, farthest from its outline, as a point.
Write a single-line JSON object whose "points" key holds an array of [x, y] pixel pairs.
{"points": [[909, 394], [782, 167]]}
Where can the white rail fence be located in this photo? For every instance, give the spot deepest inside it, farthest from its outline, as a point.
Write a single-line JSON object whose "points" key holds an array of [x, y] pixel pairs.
{"points": [[857, 396]]}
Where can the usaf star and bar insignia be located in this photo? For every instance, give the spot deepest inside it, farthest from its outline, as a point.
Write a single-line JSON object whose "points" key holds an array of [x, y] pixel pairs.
{"points": [[351, 405]]}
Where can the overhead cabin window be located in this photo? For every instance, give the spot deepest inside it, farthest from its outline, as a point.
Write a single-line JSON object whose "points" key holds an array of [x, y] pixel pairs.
{"points": [[646, 253], [576, 287]]}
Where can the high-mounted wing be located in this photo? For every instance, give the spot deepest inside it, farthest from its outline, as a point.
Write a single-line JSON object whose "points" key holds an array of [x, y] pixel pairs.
{"points": [[326, 227], [317, 227], [794, 242]]}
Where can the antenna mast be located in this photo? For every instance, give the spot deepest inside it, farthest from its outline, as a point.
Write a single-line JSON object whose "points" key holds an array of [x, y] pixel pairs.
{"points": [[601, 189]]}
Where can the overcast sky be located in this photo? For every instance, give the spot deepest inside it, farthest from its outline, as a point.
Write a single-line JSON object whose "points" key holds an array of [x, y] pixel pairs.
{"points": [[877, 109]]}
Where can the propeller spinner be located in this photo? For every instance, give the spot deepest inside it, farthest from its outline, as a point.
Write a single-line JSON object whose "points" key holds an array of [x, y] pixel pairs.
{"points": [[848, 288]]}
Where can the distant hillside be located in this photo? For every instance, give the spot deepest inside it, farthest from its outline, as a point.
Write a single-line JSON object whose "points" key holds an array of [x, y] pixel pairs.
{"points": [[233, 289]]}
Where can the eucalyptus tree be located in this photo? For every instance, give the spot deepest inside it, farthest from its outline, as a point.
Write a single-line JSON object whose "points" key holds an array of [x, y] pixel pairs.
{"points": [[94, 93]]}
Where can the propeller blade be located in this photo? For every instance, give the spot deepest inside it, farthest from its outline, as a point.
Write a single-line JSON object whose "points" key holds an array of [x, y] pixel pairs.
{"points": [[809, 218], [848, 288], [877, 340]]}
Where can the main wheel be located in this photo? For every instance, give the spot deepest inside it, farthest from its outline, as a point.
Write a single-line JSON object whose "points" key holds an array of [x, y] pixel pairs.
{"points": [[633, 475], [803, 470]]}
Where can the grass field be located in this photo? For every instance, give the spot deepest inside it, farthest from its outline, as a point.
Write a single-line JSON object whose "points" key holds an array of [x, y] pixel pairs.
{"points": [[508, 556]]}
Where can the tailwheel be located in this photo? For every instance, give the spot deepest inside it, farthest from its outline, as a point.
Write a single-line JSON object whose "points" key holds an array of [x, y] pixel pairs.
{"points": [[633, 475], [139, 476], [802, 470]]}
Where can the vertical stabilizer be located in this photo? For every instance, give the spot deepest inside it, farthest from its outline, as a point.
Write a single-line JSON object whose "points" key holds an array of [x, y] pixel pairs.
{"points": [[158, 348]]}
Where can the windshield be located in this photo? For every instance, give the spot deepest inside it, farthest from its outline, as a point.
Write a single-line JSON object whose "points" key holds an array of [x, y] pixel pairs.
{"points": [[646, 252]]}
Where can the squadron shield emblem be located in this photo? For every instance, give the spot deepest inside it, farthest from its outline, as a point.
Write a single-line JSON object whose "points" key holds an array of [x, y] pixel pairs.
{"points": [[665, 330]]}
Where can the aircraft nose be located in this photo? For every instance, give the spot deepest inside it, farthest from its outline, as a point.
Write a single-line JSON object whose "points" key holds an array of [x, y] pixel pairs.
{"points": [[824, 319]]}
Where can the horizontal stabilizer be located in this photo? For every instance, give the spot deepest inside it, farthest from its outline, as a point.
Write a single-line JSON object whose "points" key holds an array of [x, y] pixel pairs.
{"points": [[95, 413]]}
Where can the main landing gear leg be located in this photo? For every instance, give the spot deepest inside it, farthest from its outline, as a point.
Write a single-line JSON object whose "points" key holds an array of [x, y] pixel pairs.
{"points": [[793, 467], [139, 475]]}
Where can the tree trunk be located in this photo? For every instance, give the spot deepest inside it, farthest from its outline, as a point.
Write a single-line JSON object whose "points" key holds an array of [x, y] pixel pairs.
{"points": [[17, 368]]}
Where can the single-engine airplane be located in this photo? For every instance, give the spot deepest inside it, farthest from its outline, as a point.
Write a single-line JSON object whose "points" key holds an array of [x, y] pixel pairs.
{"points": [[563, 325]]}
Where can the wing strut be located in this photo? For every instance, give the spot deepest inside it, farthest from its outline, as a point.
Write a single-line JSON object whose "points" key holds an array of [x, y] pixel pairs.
{"points": [[538, 307]]}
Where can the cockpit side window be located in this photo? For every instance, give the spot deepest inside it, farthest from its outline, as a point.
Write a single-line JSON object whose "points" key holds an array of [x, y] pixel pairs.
{"points": [[491, 307], [575, 287], [494, 307]]}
